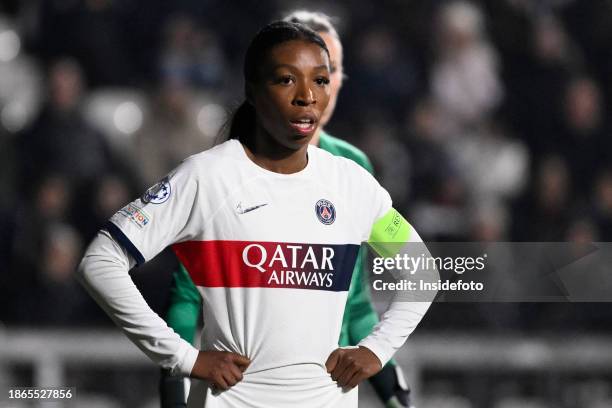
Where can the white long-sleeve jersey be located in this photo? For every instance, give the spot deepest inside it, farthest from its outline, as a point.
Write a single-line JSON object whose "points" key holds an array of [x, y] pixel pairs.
{"points": [[272, 256]]}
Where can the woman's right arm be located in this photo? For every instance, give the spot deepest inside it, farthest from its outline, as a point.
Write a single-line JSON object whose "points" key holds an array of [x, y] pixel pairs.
{"points": [[170, 211], [104, 273]]}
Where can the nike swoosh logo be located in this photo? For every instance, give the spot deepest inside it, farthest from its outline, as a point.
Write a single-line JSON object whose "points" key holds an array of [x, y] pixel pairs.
{"points": [[241, 210]]}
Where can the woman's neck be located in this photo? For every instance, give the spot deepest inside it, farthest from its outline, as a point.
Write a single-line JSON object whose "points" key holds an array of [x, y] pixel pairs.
{"points": [[269, 154]]}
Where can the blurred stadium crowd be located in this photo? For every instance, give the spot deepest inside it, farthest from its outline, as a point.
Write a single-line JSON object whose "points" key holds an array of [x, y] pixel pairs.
{"points": [[486, 121]]}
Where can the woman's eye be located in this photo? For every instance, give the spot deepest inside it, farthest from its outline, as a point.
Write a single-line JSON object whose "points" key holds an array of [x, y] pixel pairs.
{"points": [[322, 81], [285, 80]]}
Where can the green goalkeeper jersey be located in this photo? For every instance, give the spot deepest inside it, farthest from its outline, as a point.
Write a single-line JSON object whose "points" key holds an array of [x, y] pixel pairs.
{"points": [[359, 315]]}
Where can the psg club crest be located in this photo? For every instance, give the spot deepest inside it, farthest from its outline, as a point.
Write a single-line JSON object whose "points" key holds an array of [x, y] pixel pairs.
{"points": [[158, 193], [326, 212]]}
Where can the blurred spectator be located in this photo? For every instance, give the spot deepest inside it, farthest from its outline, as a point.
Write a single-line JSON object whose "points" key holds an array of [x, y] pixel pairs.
{"points": [[493, 165], [111, 195], [31, 219], [444, 217], [544, 213], [588, 24], [437, 191], [108, 194], [428, 160], [50, 205], [192, 55], [539, 87], [58, 298], [489, 222], [551, 46], [60, 141], [465, 79], [20, 82], [584, 138], [42, 275], [170, 134], [582, 230], [385, 71], [53, 198], [388, 155]]}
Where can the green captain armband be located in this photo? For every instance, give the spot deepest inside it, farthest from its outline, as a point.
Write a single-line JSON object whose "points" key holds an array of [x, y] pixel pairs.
{"points": [[389, 234]]}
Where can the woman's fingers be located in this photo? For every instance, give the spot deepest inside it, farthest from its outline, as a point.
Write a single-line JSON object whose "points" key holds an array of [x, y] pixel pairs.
{"points": [[348, 367], [221, 368], [358, 377], [342, 366], [332, 360], [242, 361], [347, 375], [220, 382], [231, 367], [233, 375]]}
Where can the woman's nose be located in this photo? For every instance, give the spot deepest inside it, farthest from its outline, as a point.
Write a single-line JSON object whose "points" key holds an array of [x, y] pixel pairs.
{"points": [[304, 96]]}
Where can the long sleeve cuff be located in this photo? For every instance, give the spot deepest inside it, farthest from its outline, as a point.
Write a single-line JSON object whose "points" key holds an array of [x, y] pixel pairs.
{"points": [[396, 326], [383, 354], [185, 365]]}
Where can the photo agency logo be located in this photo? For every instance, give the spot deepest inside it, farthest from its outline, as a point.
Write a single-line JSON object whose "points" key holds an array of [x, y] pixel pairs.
{"points": [[492, 272]]}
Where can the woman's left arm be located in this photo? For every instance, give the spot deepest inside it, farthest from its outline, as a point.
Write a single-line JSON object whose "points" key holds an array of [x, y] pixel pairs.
{"points": [[391, 235]]}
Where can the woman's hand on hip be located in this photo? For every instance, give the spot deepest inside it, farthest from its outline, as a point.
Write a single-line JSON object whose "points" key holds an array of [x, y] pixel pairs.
{"points": [[349, 366], [221, 368]]}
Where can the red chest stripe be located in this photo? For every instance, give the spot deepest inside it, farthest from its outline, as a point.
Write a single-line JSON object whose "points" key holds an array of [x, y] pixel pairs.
{"points": [[268, 264]]}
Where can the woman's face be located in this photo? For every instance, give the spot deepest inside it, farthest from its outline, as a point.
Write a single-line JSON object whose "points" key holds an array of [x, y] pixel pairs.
{"points": [[292, 92]]}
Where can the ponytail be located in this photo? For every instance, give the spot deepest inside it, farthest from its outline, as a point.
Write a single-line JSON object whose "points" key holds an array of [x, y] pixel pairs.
{"points": [[242, 125]]}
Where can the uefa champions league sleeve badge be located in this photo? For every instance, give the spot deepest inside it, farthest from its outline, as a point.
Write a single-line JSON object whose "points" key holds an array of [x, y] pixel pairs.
{"points": [[326, 212], [158, 193]]}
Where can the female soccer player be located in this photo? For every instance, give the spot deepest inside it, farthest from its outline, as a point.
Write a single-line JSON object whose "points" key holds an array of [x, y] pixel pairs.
{"points": [[269, 228], [359, 315]]}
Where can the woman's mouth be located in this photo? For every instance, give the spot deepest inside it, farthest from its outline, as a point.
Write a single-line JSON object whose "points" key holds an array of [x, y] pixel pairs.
{"points": [[304, 126]]}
